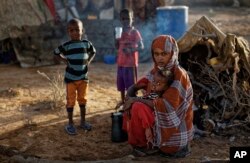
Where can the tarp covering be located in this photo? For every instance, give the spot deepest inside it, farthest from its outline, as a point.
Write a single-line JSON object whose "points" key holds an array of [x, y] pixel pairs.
{"points": [[21, 13], [229, 48], [204, 27]]}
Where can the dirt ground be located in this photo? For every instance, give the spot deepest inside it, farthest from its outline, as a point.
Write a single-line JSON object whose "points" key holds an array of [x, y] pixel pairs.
{"points": [[32, 130]]}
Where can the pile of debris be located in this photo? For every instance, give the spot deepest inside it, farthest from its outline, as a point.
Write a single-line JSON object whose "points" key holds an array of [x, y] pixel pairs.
{"points": [[219, 67]]}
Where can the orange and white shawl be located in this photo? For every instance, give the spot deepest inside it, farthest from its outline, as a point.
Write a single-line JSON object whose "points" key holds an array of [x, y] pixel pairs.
{"points": [[173, 112]]}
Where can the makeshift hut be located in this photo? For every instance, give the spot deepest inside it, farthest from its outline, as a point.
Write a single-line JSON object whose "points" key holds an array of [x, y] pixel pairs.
{"points": [[26, 30], [219, 68]]}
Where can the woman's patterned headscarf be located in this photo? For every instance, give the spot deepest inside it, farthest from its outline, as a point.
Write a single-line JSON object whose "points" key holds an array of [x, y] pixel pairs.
{"points": [[168, 44]]}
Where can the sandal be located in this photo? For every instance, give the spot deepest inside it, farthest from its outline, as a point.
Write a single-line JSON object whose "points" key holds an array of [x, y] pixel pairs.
{"points": [[86, 126], [138, 152], [70, 129]]}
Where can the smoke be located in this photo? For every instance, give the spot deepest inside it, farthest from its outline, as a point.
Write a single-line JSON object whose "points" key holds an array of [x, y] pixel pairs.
{"points": [[148, 32]]}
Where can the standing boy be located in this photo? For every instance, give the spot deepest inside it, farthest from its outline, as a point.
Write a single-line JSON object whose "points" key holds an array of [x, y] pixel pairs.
{"points": [[77, 54], [128, 53]]}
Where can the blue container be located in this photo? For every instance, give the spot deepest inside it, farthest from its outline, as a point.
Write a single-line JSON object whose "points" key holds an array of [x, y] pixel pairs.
{"points": [[172, 20], [109, 59]]}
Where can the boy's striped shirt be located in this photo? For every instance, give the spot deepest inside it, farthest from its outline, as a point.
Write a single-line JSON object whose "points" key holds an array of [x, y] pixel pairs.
{"points": [[78, 53]]}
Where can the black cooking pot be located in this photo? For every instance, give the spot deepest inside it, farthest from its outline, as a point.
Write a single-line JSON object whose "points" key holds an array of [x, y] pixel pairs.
{"points": [[117, 133]]}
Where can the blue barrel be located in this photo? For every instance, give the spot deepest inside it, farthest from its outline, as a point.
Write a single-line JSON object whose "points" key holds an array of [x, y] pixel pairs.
{"points": [[172, 20]]}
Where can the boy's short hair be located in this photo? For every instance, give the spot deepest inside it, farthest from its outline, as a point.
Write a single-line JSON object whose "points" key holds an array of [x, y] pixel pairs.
{"points": [[127, 11], [74, 21]]}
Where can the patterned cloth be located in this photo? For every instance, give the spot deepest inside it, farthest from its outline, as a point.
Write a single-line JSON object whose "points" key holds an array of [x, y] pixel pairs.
{"points": [[173, 114], [127, 52], [150, 96], [77, 53]]}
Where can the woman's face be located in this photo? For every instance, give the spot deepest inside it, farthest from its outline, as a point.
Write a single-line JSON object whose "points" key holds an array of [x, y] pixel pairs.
{"points": [[161, 57]]}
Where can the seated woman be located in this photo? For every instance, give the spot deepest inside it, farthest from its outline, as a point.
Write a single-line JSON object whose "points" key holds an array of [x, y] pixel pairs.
{"points": [[165, 122]]}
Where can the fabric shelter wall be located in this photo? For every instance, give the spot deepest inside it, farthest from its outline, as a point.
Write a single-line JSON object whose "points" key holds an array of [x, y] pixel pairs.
{"points": [[21, 13]]}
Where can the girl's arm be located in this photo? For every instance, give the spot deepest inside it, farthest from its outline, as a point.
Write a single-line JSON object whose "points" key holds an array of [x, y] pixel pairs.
{"points": [[131, 96], [130, 100], [140, 45]]}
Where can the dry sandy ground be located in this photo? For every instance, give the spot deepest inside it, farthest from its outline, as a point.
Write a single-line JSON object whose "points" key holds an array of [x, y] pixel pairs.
{"points": [[29, 126]]}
